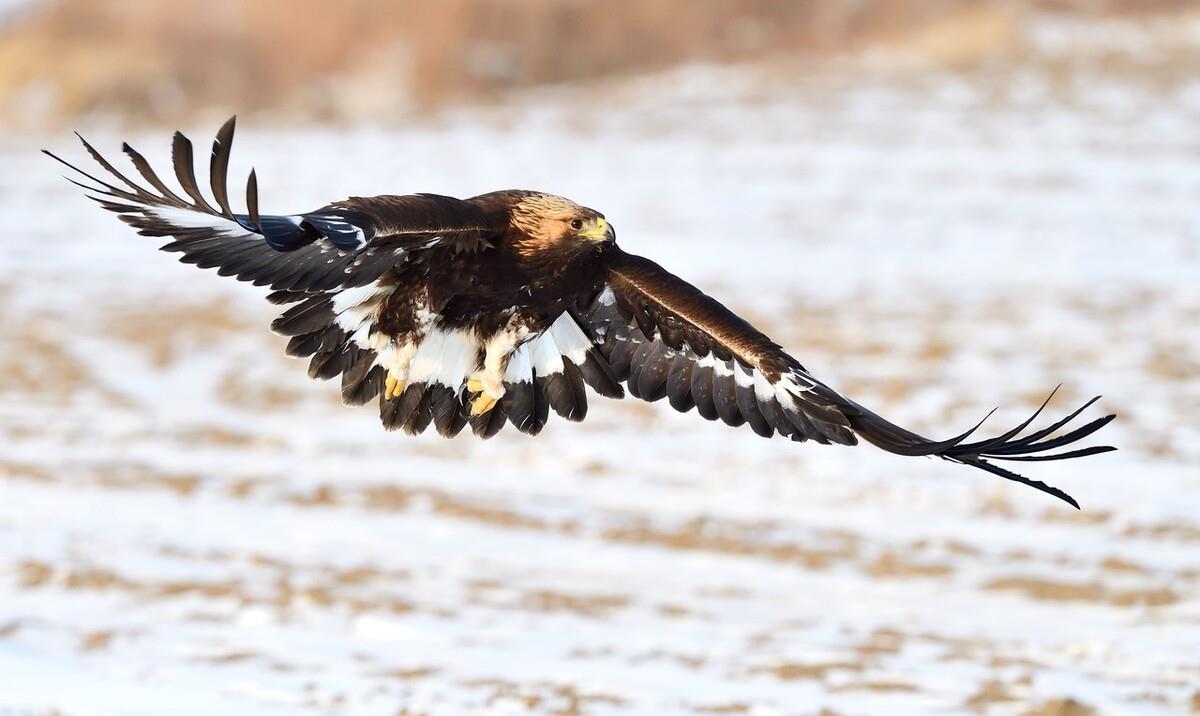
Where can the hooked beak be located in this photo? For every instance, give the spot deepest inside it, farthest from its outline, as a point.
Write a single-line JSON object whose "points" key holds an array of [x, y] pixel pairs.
{"points": [[602, 231]]}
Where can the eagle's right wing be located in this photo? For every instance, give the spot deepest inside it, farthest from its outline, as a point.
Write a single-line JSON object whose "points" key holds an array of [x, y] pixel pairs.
{"points": [[346, 244], [330, 266]]}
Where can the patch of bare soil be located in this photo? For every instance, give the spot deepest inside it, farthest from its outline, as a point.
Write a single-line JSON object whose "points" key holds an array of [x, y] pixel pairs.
{"points": [[990, 692], [710, 536], [281, 593], [1057, 591], [890, 565], [168, 330], [1061, 707], [790, 671], [543, 697]]}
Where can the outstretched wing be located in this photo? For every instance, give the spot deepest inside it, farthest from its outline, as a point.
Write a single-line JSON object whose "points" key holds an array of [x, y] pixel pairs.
{"points": [[331, 266], [346, 244], [666, 339]]}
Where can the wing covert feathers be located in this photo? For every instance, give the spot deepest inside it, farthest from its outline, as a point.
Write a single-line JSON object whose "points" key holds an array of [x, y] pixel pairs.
{"points": [[664, 338]]}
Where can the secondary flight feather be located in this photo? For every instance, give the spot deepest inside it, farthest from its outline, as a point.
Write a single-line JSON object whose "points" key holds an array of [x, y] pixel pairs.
{"points": [[502, 308]]}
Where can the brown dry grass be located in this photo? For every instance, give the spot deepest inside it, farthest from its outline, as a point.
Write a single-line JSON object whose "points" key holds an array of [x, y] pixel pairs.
{"points": [[790, 671], [165, 333], [709, 536], [1061, 707], [554, 698], [151, 60], [282, 594], [1057, 591], [990, 692]]}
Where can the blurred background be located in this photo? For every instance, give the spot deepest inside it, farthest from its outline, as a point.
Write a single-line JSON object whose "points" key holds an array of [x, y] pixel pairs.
{"points": [[938, 207], [146, 62]]}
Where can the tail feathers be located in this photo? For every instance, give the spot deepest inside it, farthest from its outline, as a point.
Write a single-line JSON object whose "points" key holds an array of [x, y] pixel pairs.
{"points": [[1007, 446]]}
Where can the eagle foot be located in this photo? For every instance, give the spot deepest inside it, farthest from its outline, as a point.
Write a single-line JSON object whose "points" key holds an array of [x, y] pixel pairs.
{"points": [[488, 395], [482, 404], [393, 387]]}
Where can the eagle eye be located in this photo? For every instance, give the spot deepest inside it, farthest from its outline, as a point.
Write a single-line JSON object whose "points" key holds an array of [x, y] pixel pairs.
{"points": [[576, 224]]}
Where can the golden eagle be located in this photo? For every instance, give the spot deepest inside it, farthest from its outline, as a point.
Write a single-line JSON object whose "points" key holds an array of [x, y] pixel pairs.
{"points": [[502, 307]]}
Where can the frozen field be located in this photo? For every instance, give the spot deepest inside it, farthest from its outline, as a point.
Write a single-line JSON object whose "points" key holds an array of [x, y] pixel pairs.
{"points": [[190, 526]]}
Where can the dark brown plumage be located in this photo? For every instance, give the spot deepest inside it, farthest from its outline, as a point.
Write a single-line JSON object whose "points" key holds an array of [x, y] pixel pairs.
{"points": [[501, 308]]}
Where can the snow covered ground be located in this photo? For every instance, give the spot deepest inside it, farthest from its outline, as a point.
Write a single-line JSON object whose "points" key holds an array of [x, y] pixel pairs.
{"points": [[190, 526]]}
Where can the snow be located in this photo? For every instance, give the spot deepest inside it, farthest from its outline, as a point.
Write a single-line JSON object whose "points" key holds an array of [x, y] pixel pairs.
{"points": [[189, 525]]}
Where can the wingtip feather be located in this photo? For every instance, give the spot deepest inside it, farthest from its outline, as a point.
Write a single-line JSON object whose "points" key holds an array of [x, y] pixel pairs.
{"points": [[1034, 447]]}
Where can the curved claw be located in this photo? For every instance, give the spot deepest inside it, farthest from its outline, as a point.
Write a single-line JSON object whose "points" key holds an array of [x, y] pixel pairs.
{"points": [[482, 404]]}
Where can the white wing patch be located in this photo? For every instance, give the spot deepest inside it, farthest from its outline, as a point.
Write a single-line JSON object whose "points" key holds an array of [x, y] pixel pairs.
{"points": [[792, 384], [720, 367], [190, 219], [763, 390], [546, 356], [520, 365], [742, 377], [351, 297], [570, 339], [356, 308]]}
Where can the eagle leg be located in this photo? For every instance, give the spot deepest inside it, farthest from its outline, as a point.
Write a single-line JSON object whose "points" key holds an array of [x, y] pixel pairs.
{"points": [[483, 403], [395, 359], [490, 390], [393, 387], [488, 381]]}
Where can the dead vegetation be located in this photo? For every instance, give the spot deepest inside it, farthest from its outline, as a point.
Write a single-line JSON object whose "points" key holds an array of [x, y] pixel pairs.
{"points": [[1063, 591], [147, 62]]}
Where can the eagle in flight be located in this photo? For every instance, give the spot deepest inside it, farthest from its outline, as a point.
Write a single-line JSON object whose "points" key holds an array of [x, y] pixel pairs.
{"points": [[502, 307]]}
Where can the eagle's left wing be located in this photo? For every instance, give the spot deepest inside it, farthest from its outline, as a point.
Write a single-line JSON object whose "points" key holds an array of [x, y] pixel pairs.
{"points": [[666, 339]]}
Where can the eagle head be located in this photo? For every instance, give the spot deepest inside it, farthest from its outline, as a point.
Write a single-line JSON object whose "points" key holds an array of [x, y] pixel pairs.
{"points": [[554, 223]]}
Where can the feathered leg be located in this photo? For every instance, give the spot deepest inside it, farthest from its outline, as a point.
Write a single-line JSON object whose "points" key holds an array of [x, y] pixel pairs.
{"points": [[488, 381]]}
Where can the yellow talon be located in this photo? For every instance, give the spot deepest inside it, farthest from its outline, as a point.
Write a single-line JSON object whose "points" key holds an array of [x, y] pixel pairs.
{"points": [[474, 385], [393, 388], [482, 404]]}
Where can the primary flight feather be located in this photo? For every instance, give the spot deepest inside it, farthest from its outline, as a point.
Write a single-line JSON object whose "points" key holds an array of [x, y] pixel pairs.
{"points": [[500, 308]]}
